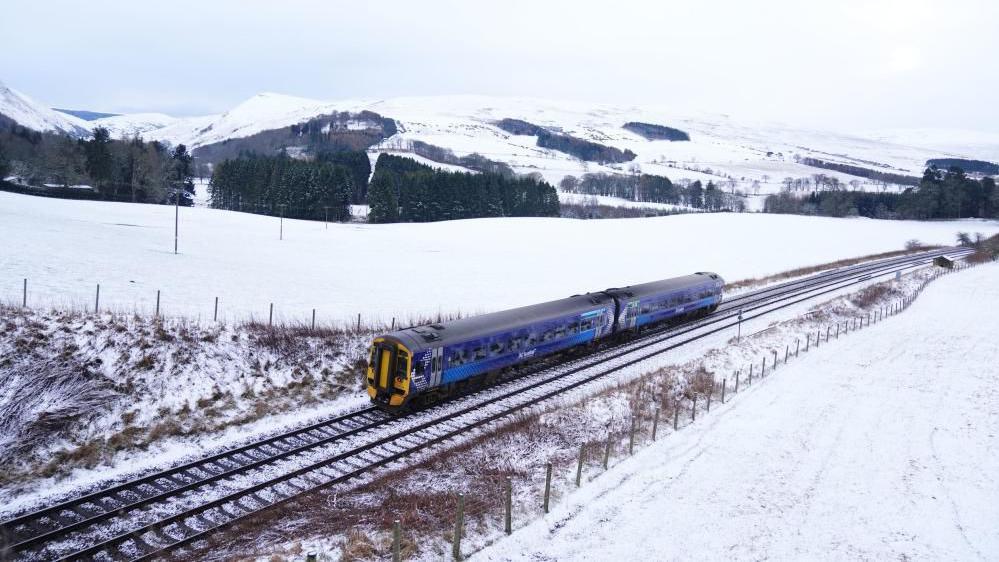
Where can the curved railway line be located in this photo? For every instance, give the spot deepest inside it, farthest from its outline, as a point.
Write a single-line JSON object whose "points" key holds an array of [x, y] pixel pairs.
{"points": [[156, 513]]}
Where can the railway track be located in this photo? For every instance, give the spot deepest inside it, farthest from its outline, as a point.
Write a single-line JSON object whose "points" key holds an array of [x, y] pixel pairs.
{"points": [[150, 515]]}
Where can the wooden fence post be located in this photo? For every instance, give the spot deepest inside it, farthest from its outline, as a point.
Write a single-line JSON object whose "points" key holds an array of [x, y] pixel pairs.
{"points": [[313, 320], [396, 541], [24, 295], [97, 299], [693, 409], [459, 524], [787, 351], [737, 380], [631, 436], [750, 374], [548, 485], [270, 316], [157, 315], [655, 424], [676, 414], [508, 501], [797, 347], [579, 465], [358, 321], [215, 315], [828, 329], [710, 392], [725, 380], [808, 341], [607, 451]]}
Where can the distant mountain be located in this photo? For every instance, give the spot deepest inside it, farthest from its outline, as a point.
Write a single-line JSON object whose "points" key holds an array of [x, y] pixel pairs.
{"points": [[754, 157], [134, 124], [84, 114], [28, 113]]}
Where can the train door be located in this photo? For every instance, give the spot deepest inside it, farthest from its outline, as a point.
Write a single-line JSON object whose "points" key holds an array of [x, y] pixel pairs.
{"points": [[436, 366], [630, 315]]}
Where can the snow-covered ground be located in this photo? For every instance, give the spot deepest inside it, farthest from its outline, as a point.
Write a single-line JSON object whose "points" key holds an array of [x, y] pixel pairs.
{"points": [[65, 248], [882, 446]]}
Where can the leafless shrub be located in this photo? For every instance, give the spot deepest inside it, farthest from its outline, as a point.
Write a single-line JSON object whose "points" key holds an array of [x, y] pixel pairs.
{"points": [[874, 294], [41, 400]]}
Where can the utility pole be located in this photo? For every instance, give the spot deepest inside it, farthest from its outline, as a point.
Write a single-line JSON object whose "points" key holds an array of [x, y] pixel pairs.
{"points": [[176, 218], [281, 235], [738, 335], [326, 216]]}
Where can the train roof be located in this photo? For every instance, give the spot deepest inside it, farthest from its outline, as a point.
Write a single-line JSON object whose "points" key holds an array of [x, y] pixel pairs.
{"points": [[456, 331], [666, 285]]}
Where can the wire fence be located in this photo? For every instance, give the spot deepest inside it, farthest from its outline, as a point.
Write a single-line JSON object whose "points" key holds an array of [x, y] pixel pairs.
{"points": [[487, 510]]}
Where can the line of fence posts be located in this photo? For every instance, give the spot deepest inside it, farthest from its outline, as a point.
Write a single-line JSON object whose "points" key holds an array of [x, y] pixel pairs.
{"points": [[877, 316]]}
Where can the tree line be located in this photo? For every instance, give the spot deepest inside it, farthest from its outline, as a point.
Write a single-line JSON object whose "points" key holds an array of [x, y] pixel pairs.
{"points": [[875, 175], [319, 189], [940, 194], [117, 170], [403, 190], [652, 189], [574, 146]]}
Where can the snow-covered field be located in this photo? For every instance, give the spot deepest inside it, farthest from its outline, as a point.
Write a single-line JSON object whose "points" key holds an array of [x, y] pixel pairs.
{"points": [[65, 248], [883, 446]]}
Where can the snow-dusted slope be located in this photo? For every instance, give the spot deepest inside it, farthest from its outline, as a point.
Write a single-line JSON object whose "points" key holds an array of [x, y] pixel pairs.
{"points": [[134, 124], [722, 149], [29, 113], [260, 113], [879, 447]]}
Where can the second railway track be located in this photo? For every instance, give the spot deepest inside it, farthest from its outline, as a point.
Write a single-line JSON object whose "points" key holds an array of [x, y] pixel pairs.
{"points": [[150, 515]]}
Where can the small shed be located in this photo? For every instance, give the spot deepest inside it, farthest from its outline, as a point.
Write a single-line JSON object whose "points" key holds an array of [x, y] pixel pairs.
{"points": [[944, 262]]}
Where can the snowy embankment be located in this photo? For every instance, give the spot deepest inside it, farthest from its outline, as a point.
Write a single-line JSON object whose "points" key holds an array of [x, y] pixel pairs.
{"points": [[65, 248], [882, 446]]}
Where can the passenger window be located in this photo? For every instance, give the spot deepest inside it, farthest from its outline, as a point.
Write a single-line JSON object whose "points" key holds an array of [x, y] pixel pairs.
{"points": [[480, 353], [496, 348]]}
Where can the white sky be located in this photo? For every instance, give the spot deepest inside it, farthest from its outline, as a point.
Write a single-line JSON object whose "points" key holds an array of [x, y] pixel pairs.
{"points": [[835, 63]]}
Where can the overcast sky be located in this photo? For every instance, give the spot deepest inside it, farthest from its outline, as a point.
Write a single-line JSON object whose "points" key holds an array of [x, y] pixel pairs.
{"points": [[836, 64]]}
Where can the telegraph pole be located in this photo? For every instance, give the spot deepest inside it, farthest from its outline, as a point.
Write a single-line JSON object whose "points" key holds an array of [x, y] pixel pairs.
{"points": [[281, 235], [176, 218]]}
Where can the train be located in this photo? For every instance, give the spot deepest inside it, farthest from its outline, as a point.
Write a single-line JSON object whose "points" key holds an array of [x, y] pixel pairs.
{"points": [[420, 365]]}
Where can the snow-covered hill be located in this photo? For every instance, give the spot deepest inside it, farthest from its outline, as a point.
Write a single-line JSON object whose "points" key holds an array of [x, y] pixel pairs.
{"points": [[742, 154], [29, 113], [754, 157], [133, 124]]}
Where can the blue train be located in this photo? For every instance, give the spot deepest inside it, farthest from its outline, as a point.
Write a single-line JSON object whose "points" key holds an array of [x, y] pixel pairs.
{"points": [[426, 363]]}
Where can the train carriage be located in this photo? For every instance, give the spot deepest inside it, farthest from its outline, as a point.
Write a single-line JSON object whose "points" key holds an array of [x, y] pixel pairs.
{"points": [[681, 297], [438, 357]]}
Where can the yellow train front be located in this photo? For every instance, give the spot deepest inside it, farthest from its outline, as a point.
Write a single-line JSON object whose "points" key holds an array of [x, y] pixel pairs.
{"points": [[389, 367]]}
